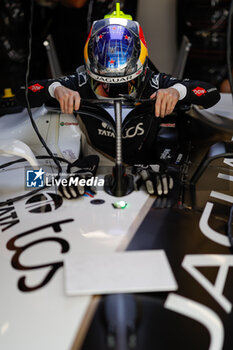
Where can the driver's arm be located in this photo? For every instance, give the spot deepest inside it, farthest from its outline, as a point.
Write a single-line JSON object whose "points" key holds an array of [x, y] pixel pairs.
{"points": [[69, 99], [169, 90], [40, 91], [166, 100]]}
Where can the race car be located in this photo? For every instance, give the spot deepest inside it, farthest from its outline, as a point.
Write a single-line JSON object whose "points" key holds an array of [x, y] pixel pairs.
{"points": [[188, 230]]}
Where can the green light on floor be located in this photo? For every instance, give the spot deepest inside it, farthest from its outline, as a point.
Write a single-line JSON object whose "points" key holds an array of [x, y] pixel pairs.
{"points": [[120, 205]]}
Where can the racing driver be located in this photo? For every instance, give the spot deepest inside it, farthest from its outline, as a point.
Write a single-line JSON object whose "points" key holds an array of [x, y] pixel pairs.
{"points": [[116, 62]]}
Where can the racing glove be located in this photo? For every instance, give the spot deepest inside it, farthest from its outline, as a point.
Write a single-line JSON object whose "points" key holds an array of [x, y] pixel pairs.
{"points": [[156, 180], [82, 169]]}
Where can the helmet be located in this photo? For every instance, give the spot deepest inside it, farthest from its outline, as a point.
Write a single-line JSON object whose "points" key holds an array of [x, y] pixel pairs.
{"points": [[115, 56]]}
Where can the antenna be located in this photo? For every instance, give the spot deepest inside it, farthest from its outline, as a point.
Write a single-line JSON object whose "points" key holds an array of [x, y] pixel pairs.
{"points": [[118, 13]]}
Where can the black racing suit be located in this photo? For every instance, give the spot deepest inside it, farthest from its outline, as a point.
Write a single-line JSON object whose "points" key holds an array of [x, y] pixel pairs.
{"points": [[139, 135]]}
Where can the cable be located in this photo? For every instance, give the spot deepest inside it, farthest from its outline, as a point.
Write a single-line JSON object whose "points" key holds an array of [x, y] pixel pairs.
{"points": [[51, 156], [15, 199], [26, 92], [58, 159], [5, 165], [229, 66]]}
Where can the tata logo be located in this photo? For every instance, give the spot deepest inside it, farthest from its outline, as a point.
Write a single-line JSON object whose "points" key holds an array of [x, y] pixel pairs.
{"points": [[43, 203], [131, 132], [105, 126]]}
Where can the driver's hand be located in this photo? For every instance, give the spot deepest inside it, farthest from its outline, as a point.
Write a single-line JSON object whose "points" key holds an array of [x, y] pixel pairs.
{"points": [[166, 99], [69, 99], [156, 180]]}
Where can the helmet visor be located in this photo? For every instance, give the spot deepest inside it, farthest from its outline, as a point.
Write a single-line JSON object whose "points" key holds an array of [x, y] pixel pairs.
{"points": [[112, 48]]}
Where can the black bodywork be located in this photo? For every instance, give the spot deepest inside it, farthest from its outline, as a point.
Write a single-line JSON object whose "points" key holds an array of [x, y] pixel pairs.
{"points": [[141, 321]]}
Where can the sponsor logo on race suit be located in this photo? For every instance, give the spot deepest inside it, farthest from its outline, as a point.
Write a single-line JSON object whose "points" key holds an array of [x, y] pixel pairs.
{"points": [[105, 126], [36, 87], [212, 89], [168, 125], [198, 91], [131, 132], [179, 158], [67, 124], [154, 81], [82, 78], [64, 78], [115, 80], [166, 154]]}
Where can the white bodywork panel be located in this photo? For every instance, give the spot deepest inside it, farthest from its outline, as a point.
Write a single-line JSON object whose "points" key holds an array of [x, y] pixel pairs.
{"points": [[46, 318]]}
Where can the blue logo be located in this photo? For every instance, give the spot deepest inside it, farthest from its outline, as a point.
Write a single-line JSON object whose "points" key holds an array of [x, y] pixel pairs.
{"points": [[35, 178]]}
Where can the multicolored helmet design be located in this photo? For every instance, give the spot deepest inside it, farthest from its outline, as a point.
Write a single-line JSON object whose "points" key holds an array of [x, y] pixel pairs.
{"points": [[115, 51]]}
